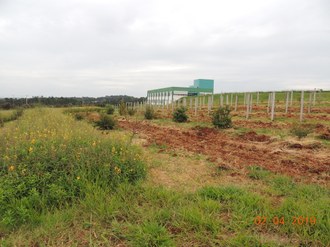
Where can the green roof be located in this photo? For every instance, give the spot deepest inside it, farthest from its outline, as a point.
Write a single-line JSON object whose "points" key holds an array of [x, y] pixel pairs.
{"points": [[188, 89]]}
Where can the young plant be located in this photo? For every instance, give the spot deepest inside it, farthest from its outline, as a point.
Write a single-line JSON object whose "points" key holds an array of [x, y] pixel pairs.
{"points": [[149, 113], [110, 110], [122, 108], [221, 118], [180, 115], [300, 131], [131, 111], [106, 122]]}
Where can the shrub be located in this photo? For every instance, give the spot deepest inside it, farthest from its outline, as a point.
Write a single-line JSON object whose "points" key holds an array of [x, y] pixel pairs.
{"points": [[221, 118], [180, 115], [122, 108], [300, 131], [131, 111], [78, 116], [106, 122], [149, 113], [110, 110]]}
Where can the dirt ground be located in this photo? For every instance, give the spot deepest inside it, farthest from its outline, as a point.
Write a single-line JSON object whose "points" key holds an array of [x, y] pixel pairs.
{"points": [[306, 161]]}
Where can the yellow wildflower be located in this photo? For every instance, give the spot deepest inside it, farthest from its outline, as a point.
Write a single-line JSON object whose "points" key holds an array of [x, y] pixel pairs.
{"points": [[94, 144], [117, 170], [33, 141], [78, 178], [30, 149], [11, 168]]}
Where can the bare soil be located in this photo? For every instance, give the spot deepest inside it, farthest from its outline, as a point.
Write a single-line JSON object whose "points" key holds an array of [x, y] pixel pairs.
{"points": [[304, 161]]}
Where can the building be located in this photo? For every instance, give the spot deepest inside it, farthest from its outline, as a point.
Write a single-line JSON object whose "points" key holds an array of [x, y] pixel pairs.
{"points": [[164, 96]]}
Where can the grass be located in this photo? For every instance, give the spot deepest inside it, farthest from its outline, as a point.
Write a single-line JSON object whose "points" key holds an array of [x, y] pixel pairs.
{"points": [[9, 115], [184, 200]]}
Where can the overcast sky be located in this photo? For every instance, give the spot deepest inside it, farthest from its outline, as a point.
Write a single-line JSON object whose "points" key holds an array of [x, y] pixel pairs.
{"points": [[108, 47]]}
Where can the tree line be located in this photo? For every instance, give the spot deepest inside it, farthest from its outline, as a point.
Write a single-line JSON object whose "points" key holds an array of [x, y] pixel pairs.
{"points": [[9, 103]]}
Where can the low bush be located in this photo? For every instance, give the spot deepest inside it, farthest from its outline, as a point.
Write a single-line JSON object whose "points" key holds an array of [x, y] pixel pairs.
{"points": [[110, 109], [300, 131], [221, 118], [180, 115], [149, 113], [79, 116], [122, 108], [106, 122], [131, 111]]}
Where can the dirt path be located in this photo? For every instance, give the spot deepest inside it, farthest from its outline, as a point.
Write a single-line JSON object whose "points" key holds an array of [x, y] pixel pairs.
{"points": [[304, 162]]}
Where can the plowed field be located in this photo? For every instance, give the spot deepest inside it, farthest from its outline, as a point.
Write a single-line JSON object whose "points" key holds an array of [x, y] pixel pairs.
{"points": [[304, 161]]}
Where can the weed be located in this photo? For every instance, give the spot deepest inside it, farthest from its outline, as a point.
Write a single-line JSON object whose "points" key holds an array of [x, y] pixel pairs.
{"points": [[256, 172]]}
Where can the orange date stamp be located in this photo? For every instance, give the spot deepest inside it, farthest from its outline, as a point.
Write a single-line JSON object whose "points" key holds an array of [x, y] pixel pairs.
{"points": [[295, 220]]}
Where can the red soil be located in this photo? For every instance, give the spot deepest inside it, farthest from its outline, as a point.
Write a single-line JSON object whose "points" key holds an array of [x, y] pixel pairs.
{"points": [[302, 162]]}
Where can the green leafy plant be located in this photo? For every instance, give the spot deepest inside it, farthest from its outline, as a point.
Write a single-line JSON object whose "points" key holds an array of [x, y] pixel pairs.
{"points": [[180, 115], [110, 109], [149, 113], [106, 122], [300, 131], [221, 118], [131, 111], [122, 108], [79, 116]]}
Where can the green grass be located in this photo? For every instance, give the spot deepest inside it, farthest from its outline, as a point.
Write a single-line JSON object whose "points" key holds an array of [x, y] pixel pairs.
{"points": [[48, 160], [9, 115]]}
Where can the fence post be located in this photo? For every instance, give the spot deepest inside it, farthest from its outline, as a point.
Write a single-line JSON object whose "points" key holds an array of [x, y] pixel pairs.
{"points": [[257, 98], [268, 104], [236, 102], [247, 98], [273, 106], [251, 102], [286, 102], [196, 105], [301, 106], [310, 101]]}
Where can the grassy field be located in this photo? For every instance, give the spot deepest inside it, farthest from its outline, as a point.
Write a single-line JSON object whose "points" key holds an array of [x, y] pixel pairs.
{"points": [[65, 183]]}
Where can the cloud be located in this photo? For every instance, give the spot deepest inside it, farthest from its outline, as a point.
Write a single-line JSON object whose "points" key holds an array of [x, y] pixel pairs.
{"points": [[95, 48]]}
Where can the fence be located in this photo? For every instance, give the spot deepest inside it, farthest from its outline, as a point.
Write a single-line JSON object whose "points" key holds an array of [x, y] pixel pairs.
{"points": [[245, 104]]}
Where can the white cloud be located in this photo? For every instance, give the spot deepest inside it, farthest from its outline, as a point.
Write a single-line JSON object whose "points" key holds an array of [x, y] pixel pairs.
{"points": [[96, 48]]}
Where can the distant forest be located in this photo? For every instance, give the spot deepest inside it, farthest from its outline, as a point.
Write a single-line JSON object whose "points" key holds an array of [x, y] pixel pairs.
{"points": [[8, 103]]}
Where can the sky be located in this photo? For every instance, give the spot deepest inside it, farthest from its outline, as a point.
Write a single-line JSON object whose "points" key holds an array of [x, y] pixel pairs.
{"points": [[114, 47]]}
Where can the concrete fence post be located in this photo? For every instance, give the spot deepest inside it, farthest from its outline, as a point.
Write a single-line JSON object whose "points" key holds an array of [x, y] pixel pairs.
{"points": [[302, 106], [310, 101], [287, 102], [273, 107], [247, 98]]}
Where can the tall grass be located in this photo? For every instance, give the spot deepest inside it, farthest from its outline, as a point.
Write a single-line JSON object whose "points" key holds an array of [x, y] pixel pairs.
{"points": [[48, 160]]}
